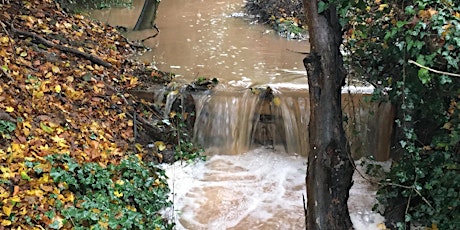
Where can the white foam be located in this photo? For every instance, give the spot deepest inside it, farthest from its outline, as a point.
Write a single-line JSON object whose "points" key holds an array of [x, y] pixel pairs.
{"points": [[261, 189]]}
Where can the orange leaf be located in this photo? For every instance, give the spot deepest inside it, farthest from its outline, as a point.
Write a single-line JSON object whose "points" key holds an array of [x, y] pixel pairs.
{"points": [[15, 190]]}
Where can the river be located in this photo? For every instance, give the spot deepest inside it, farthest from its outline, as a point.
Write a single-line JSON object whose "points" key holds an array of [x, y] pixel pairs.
{"points": [[242, 185]]}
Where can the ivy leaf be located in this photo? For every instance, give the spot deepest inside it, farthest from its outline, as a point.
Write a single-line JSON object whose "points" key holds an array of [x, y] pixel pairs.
{"points": [[322, 6], [424, 75]]}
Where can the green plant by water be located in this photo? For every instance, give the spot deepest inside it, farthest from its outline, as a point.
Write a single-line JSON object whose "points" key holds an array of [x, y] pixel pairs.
{"points": [[384, 40], [129, 195]]}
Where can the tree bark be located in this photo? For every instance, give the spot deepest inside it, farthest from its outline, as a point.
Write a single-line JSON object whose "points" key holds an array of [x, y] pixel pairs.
{"points": [[330, 166], [148, 15]]}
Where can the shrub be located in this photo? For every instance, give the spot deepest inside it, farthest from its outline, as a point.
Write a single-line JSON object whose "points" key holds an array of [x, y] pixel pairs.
{"points": [[124, 196]]}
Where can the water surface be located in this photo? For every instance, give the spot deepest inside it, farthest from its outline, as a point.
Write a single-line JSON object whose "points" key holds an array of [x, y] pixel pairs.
{"points": [[201, 38]]}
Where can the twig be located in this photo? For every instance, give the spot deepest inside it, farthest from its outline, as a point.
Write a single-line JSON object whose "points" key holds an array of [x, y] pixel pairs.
{"points": [[45, 42], [411, 188], [135, 124], [433, 70], [158, 31], [4, 28]]}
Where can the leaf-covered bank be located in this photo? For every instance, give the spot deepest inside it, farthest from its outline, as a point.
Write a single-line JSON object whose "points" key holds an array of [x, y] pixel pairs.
{"points": [[286, 17], [78, 147]]}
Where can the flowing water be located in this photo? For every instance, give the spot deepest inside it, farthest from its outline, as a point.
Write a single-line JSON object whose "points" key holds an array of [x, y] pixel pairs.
{"points": [[256, 141]]}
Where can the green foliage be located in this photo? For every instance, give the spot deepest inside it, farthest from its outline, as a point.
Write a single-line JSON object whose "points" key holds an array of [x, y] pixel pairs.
{"points": [[6, 127], [188, 151], [185, 149], [124, 196], [289, 28], [383, 38]]}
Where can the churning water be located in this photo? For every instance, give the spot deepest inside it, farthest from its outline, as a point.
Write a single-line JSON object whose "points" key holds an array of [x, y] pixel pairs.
{"points": [[260, 189], [254, 177]]}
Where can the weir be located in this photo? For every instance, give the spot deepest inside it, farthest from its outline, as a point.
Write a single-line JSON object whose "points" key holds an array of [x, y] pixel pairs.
{"points": [[256, 138], [237, 121]]}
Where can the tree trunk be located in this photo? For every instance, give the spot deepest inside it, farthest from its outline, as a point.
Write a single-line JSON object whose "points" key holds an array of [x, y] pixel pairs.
{"points": [[329, 162], [148, 15]]}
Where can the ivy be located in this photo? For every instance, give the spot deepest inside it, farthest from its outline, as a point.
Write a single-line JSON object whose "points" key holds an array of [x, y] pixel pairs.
{"points": [[382, 38], [129, 195]]}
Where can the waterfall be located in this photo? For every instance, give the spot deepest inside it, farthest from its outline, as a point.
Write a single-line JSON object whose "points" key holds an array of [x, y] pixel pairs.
{"points": [[236, 121]]}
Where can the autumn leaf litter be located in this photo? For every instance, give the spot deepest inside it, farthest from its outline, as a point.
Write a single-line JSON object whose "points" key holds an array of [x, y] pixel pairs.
{"points": [[56, 100]]}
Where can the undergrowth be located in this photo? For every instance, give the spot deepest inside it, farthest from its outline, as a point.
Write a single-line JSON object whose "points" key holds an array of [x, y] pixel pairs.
{"points": [[124, 196]]}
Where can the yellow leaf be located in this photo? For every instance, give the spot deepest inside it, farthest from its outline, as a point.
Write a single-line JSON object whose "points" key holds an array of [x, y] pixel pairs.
{"points": [[47, 31], [16, 199], [104, 225], [381, 226], [160, 145], [129, 207], [118, 194], [120, 182], [35, 192], [112, 60], [382, 7], [55, 69], [6, 223], [138, 147], [457, 14], [27, 124], [7, 210], [95, 210], [57, 88], [38, 94], [67, 25], [70, 197], [23, 211], [9, 109], [133, 81], [4, 39]]}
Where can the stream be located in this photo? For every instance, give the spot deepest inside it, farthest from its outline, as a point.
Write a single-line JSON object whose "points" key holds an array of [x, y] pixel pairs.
{"points": [[254, 177]]}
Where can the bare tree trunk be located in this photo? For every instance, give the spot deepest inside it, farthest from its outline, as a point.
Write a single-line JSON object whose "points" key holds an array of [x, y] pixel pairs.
{"points": [[329, 163], [148, 15]]}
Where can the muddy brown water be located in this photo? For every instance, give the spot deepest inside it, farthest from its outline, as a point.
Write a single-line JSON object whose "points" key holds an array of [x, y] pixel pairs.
{"points": [[254, 176], [202, 38]]}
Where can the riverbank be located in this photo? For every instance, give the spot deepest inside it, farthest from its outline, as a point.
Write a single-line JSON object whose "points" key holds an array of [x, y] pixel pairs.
{"points": [[78, 139], [287, 18]]}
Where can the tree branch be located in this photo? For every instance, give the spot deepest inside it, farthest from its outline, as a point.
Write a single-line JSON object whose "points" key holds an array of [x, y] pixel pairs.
{"points": [[433, 70], [45, 42]]}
